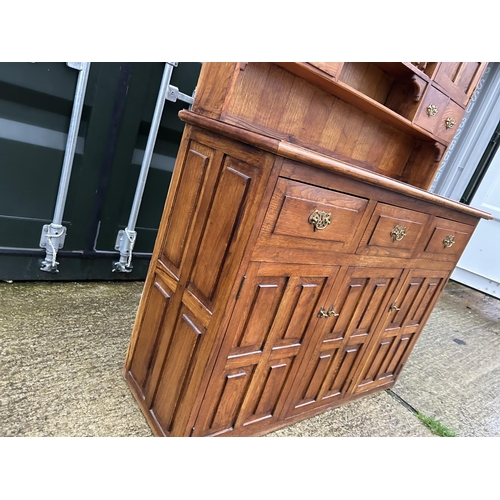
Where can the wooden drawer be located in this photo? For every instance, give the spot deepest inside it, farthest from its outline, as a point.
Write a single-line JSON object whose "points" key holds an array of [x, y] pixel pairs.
{"points": [[392, 232], [447, 241], [311, 217], [447, 117]]}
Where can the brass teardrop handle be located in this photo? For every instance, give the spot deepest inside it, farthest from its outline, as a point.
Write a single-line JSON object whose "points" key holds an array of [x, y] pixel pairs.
{"points": [[331, 312], [450, 122], [320, 220], [449, 241], [432, 110], [394, 307], [323, 313], [398, 233]]}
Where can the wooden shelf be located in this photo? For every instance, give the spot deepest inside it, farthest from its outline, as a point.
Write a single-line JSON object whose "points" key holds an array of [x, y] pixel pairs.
{"points": [[360, 100]]}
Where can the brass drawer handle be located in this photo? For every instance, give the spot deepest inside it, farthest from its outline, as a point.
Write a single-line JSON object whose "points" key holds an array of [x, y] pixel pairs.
{"points": [[398, 233], [331, 312], [432, 110], [320, 220], [450, 122], [394, 307], [449, 241], [323, 313]]}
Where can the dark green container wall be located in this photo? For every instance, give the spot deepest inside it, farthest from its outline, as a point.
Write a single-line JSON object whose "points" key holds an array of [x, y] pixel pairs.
{"points": [[35, 108]]}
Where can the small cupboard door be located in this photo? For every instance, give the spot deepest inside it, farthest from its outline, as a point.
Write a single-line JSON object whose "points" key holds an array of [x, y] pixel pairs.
{"points": [[341, 339], [402, 322], [459, 79], [271, 323]]}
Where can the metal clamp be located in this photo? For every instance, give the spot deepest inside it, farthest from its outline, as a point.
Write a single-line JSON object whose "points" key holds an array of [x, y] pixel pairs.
{"points": [[53, 234], [125, 242], [125, 239], [52, 239], [173, 94], [394, 307]]}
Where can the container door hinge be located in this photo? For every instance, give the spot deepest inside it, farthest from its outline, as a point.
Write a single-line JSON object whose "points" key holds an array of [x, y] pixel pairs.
{"points": [[52, 240], [173, 93]]}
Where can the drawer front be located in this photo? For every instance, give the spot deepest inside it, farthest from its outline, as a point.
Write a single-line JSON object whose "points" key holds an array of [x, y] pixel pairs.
{"points": [[311, 217], [447, 241], [449, 121], [392, 232], [439, 115]]}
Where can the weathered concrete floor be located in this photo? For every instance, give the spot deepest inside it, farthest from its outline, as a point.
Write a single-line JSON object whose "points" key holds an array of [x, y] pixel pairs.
{"points": [[62, 347]]}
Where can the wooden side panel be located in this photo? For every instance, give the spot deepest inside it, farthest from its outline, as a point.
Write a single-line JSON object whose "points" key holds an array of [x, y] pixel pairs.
{"points": [[341, 340], [177, 369], [269, 326], [213, 87], [151, 330], [186, 200], [229, 203], [403, 322]]}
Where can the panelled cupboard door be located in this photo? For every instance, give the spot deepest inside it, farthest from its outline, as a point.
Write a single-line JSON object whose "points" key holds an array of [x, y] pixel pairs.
{"points": [[403, 320], [459, 79], [341, 339], [270, 325]]}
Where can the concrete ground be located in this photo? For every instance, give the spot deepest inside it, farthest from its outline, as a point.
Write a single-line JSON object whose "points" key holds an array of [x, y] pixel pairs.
{"points": [[62, 347]]}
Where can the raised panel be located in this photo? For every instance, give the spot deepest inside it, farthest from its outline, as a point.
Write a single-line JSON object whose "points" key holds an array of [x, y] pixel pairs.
{"points": [[229, 401], [179, 361], [227, 210], [151, 331], [254, 330], [186, 201], [266, 387]]}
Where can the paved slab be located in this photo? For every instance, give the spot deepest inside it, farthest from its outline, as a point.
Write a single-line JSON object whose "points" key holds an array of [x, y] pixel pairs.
{"points": [[453, 374]]}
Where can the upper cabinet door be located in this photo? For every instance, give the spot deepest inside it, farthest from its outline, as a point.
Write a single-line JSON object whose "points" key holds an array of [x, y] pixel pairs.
{"points": [[459, 79]]}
